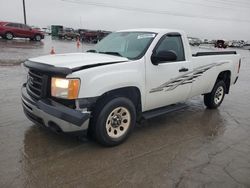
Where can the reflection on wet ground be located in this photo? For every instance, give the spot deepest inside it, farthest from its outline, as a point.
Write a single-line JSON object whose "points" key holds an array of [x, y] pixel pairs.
{"points": [[194, 147], [20, 43]]}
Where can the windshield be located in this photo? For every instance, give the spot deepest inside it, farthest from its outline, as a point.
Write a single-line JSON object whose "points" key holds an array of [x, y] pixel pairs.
{"points": [[132, 45]]}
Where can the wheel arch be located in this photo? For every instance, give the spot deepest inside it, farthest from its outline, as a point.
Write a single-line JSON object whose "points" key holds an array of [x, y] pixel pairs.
{"points": [[226, 77], [132, 93], [9, 32], [37, 34]]}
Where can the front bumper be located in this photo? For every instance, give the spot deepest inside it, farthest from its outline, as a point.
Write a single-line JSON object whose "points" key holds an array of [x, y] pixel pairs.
{"points": [[53, 115]]}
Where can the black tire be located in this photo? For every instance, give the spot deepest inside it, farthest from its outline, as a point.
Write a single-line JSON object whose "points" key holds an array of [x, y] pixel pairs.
{"points": [[9, 36], [38, 38], [214, 99], [100, 119]]}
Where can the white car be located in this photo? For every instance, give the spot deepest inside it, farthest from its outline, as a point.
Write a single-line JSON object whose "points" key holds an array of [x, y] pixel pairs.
{"points": [[130, 75]]}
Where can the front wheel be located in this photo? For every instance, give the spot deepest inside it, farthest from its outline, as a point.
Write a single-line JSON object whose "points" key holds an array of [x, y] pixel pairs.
{"points": [[214, 99], [114, 121]]}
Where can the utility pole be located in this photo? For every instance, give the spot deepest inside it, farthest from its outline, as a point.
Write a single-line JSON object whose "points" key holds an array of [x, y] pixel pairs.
{"points": [[24, 12]]}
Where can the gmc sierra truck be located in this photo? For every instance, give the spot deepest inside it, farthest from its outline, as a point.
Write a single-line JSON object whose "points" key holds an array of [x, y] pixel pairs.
{"points": [[128, 76]]}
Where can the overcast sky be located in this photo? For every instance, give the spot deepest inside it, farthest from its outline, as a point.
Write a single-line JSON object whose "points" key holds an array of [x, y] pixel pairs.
{"points": [[225, 19]]}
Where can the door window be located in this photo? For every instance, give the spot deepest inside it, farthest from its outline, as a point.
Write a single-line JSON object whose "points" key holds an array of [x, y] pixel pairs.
{"points": [[25, 27], [12, 25], [172, 43]]}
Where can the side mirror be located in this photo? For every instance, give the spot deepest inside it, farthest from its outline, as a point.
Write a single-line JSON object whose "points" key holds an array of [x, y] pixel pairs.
{"points": [[163, 57]]}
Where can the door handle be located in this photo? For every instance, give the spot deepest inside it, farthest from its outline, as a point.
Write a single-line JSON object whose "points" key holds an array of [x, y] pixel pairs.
{"points": [[183, 69]]}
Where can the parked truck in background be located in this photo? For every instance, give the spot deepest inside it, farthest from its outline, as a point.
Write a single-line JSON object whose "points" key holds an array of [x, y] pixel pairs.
{"points": [[221, 44], [93, 36], [68, 33], [130, 75], [194, 41]]}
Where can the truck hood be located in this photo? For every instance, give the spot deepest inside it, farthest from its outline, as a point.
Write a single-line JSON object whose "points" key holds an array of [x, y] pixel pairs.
{"points": [[76, 60]]}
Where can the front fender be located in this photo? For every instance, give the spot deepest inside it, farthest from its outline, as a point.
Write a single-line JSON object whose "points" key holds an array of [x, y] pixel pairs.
{"points": [[99, 80]]}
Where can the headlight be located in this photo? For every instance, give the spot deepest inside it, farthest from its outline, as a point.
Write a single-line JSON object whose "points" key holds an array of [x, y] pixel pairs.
{"points": [[65, 88]]}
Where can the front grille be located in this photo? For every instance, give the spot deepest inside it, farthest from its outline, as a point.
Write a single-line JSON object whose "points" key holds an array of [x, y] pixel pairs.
{"points": [[37, 84]]}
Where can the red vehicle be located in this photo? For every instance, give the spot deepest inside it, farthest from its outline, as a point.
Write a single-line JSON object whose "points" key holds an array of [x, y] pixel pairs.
{"points": [[9, 30]]}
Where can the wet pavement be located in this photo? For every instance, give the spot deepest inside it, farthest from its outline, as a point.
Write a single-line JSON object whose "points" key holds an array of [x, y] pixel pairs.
{"points": [[18, 50], [192, 148]]}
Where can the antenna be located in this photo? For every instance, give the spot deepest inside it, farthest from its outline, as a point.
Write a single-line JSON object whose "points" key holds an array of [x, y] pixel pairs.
{"points": [[81, 28]]}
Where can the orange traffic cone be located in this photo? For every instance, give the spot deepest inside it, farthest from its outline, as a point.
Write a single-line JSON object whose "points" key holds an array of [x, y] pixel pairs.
{"points": [[52, 51], [78, 43]]}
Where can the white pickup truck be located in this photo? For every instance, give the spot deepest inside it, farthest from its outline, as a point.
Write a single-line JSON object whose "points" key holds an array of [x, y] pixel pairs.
{"points": [[128, 76]]}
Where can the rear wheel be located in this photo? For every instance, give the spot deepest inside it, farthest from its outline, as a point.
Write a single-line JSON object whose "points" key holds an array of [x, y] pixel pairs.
{"points": [[114, 121], [9, 36], [215, 98]]}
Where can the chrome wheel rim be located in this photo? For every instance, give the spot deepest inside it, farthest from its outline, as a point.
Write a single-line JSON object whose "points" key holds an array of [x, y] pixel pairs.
{"points": [[38, 38], [9, 36], [118, 122], [218, 95]]}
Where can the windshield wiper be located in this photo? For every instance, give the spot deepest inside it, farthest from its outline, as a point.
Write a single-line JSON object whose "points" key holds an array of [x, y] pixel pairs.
{"points": [[109, 53], [112, 53], [92, 51]]}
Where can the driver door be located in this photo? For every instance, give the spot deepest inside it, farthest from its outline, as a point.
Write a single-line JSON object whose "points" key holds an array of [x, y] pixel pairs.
{"points": [[168, 82], [25, 31]]}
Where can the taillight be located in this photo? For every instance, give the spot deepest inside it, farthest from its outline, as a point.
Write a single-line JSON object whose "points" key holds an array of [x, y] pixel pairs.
{"points": [[239, 66]]}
